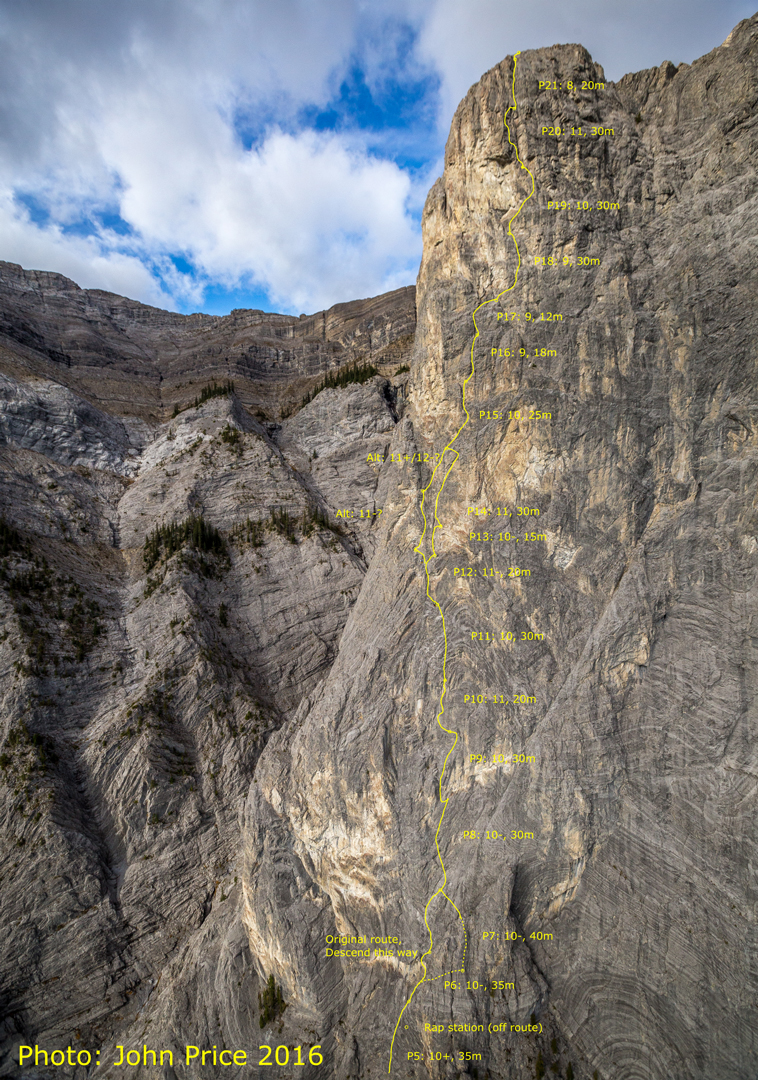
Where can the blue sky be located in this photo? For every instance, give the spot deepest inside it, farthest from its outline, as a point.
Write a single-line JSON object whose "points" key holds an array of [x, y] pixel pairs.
{"points": [[212, 154]]}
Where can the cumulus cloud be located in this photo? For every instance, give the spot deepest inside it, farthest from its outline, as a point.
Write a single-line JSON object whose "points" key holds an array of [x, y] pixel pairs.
{"points": [[308, 215], [137, 118], [91, 263], [463, 40], [158, 149]]}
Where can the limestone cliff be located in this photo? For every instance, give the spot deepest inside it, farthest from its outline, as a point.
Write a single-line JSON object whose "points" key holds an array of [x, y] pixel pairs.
{"points": [[224, 753], [140, 681], [596, 568]]}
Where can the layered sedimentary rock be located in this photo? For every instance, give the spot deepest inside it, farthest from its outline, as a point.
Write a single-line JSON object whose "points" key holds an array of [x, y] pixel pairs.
{"points": [[136, 360], [227, 759]]}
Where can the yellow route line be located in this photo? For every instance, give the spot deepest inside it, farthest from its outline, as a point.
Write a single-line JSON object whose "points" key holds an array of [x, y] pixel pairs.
{"points": [[417, 550]]}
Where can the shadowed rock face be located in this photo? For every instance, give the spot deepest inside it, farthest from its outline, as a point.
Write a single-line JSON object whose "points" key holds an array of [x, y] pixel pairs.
{"points": [[139, 686], [219, 761]]}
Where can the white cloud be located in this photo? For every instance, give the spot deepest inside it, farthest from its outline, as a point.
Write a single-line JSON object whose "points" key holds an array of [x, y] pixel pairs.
{"points": [[308, 216], [134, 110], [140, 122], [464, 38], [87, 261]]}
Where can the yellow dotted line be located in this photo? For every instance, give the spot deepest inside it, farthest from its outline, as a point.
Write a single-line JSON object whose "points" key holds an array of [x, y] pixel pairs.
{"points": [[427, 559]]}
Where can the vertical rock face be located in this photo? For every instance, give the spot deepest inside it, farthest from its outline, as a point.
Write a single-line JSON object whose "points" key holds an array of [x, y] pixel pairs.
{"points": [[473, 778], [594, 559]]}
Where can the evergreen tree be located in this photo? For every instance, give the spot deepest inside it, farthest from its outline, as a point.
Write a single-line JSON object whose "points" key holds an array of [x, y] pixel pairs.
{"points": [[212, 390], [356, 373], [165, 540], [271, 1002]]}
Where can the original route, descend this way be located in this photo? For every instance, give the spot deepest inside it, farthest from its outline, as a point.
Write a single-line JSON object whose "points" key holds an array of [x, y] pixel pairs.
{"points": [[427, 559]]}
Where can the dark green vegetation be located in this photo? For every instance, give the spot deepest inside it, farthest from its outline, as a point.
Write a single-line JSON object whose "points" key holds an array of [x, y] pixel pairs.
{"points": [[231, 436], [20, 739], [312, 518], [286, 524], [58, 621], [270, 1003], [212, 390], [10, 539], [355, 373], [195, 532], [250, 532], [26, 769]]}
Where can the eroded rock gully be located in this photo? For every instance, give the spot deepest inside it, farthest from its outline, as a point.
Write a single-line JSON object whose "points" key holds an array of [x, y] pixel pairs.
{"points": [[244, 764]]}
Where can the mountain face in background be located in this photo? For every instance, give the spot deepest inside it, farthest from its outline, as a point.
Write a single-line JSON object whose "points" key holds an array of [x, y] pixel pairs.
{"points": [[221, 665], [137, 361]]}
